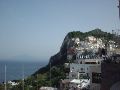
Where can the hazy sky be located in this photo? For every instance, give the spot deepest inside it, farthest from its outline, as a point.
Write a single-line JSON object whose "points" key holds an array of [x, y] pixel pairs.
{"points": [[37, 28]]}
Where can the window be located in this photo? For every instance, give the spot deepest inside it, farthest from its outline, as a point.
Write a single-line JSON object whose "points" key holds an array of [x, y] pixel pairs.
{"points": [[87, 68], [98, 62], [87, 74], [90, 63], [96, 77], [73, 75], [80, 62], [81, 74], [82, 69], [77, 57]]}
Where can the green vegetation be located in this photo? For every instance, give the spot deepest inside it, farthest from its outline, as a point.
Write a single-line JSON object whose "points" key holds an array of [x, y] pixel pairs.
{"points": [[35, 82], [98, 33]]}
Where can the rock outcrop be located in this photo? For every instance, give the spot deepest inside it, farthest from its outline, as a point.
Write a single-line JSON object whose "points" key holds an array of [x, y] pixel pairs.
{"points": [[77, 40]]}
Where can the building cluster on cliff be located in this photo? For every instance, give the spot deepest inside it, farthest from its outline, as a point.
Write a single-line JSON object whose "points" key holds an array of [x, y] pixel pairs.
{"points": [[84, 63]]}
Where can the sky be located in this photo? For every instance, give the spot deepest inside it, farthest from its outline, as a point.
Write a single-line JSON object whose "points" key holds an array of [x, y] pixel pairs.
{"points": [[36, 28]]}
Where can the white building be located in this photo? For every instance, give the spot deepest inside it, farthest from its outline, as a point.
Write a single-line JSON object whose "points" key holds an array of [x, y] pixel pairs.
{"points": [[47, 88], [13, 83], [77, 84], [77, 40], [95, 43], [82, 67], [92, 39]]}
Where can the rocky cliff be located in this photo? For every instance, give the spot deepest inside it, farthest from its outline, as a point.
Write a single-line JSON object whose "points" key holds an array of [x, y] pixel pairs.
{"points": [[74, 40]]}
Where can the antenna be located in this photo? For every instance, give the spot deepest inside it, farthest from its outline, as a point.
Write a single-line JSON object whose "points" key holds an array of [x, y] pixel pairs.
{"points": [[37, 82], [23, 76], [50, 73], [119, 9], [5, 78]]}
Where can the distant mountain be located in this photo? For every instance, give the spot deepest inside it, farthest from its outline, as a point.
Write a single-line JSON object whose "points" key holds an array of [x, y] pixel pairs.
{"points": [[23, 57]]}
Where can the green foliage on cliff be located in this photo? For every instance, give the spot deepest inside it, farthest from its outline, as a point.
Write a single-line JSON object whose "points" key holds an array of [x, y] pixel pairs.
{"points": [[75, 34], [98, 33]]}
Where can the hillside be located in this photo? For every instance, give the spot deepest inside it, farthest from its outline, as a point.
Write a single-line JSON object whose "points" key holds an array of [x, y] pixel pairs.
{"points": [[61, 57]]}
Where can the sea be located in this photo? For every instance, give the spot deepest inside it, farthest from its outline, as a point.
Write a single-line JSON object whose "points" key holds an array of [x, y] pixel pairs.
{"points": [[16, 70]]}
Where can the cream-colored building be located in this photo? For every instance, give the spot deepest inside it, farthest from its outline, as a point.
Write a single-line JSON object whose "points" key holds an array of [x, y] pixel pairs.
{"points": [[85, 68], [82, 67]]}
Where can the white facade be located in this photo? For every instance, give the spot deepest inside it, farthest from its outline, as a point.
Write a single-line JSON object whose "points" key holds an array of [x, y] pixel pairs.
{"points": [[82, 67], [86, 68], [12, 83], [92, 39], [77, 40], [47, 88], [75, 70], [69, 57], [95, 43]]}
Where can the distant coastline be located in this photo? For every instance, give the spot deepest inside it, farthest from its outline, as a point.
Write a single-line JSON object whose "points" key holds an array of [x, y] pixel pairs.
{"points": [[14, 68]]}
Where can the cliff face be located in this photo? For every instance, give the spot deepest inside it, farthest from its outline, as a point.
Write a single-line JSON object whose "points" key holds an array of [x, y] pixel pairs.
{"points": [[59, 58], [77, 40]]}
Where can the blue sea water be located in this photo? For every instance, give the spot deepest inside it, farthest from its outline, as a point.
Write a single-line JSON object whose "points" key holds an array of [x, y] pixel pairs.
{"points": [[15, 69]]}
